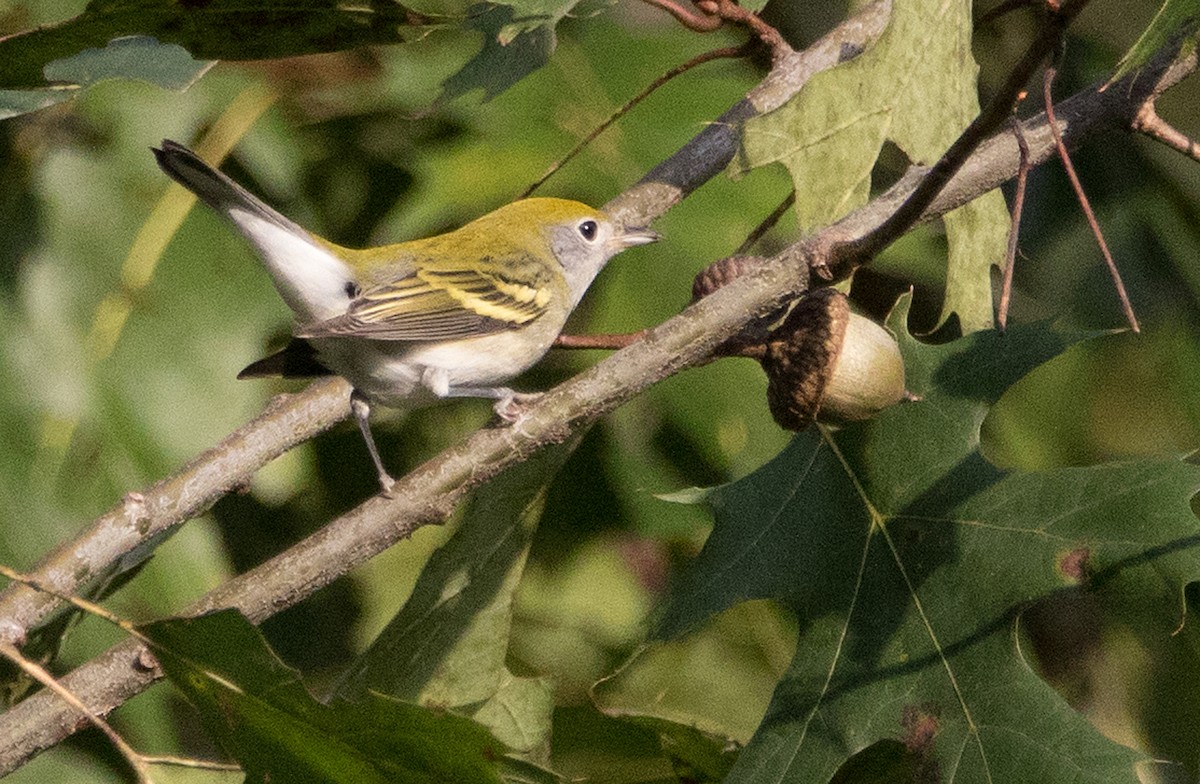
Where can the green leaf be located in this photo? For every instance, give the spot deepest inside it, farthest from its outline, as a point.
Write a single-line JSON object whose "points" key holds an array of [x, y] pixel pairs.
{"points": [[696, 756], [1176, 19], [704, 695], [15, 102], [908, 559], [129, 57], [830, 135], [717, 679], [518, 712], [448, 643], [135, 57], [447, 646], [518, 39], [510, 52], [265, 28], [261, 714]]}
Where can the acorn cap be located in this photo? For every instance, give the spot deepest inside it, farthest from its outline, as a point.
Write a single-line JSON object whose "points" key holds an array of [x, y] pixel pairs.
{"points": [[721, 272], [824, 359]]}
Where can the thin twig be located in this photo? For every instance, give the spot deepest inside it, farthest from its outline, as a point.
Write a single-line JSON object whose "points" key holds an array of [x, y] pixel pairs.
{"points": [[700, 23], [700, 59], [1064, 156], [617, 340], [1014, 229], [713, 13], [43, 676], [87, 606], [730, 11], [1147, 121], [767, 224]]}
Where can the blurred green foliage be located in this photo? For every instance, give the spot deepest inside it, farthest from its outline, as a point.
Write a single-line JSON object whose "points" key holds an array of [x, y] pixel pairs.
{"points": [[356, 148]]}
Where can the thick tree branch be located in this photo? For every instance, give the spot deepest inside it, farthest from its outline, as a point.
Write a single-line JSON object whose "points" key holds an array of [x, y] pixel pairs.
{"points": [[427, 494]]}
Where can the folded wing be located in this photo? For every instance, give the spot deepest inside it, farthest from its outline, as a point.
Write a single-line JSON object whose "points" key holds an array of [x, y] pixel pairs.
{"points": [[444, 302]]}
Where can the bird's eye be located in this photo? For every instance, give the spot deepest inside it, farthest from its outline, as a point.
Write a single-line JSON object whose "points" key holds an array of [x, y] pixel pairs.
{"points": [[589, 230]]}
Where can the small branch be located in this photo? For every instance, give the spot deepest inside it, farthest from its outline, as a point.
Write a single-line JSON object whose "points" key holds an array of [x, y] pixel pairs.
{"points": [[1147, 121], [1014, 229], [767, 224], [1064, 156], [700, 23], [714, 13], [79, 602], [607, 341], [730, 11]]}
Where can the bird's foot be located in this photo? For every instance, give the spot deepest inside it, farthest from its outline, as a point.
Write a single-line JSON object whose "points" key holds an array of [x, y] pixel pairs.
{"points": [[511, 407]]}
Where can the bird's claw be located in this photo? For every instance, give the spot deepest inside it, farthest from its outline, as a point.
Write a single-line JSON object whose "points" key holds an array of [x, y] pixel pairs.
{"points": [[509, 409]]}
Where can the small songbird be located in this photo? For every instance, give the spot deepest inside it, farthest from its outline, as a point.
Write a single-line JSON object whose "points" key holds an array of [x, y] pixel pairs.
{"points": [[454, 315]]}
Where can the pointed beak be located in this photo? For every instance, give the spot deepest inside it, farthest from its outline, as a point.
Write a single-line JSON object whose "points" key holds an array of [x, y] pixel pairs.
{"points": [[628, 238]]}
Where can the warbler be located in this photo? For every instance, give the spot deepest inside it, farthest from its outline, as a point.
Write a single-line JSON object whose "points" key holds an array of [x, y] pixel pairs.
{"points": [[453, 315]]}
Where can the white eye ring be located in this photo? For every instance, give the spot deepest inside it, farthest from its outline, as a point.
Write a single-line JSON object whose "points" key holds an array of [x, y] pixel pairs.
{"points": [[589, 230]]}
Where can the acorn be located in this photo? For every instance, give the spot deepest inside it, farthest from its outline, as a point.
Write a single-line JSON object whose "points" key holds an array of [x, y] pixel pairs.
{"points": [[828, 362], [822, 361]]}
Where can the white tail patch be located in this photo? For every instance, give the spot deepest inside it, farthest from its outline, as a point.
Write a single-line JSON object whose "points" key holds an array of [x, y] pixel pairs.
{"points": [[311, 280]]}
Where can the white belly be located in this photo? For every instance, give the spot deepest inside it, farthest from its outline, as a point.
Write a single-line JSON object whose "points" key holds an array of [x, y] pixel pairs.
{"points": [[399, 374]]}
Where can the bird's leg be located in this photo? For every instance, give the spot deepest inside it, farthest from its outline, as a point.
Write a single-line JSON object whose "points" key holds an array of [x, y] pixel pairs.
{"points": [[362, 412], [509, 404]]}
